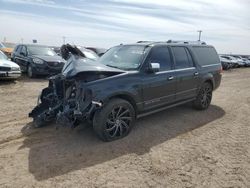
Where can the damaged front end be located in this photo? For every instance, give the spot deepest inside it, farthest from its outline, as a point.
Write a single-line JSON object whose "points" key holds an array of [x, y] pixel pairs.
{"points": [[67, 100], [64, 101]]}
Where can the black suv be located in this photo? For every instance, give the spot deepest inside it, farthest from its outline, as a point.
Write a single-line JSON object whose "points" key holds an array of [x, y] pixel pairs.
{"points": [[127, 82], [37, 60]]}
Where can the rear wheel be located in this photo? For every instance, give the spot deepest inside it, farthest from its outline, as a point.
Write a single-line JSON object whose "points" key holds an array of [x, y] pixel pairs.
{"points": [[115, 120], [204, 97]]}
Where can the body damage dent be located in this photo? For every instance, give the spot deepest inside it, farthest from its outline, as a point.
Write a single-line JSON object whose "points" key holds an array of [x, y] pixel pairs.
{"points": [[67, 99]]}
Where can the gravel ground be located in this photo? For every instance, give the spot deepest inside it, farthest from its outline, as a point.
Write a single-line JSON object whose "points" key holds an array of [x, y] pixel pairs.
{"points": [[179, 147]]}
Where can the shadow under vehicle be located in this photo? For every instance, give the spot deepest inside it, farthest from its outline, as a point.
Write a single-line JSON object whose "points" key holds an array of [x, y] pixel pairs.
{"points": [[56, 152]]}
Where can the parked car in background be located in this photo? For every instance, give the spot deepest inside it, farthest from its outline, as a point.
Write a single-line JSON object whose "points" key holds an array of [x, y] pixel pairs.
{"points": [[8, 69], [98, 51], [37, 60], [239, 60], [233, 60], [67, 49], [127, 82], [246, 61], [6, 50], [90, 54], [226, 63]]}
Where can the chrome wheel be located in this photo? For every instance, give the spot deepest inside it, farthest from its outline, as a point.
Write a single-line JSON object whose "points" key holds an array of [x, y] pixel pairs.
{"points": [[206, 96], [118, 122]]}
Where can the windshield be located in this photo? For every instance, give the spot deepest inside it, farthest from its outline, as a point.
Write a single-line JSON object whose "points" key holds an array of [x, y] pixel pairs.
{"points": [[3, 56], [127, 57], [41, 50]]}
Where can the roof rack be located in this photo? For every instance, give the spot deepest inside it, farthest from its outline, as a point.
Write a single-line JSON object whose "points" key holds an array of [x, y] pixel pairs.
{"points": [[143, 41], [186, 42], [174, 41]]}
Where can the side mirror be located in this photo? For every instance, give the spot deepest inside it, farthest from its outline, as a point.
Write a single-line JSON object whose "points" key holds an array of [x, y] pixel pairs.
{"points": [[153, 67]]}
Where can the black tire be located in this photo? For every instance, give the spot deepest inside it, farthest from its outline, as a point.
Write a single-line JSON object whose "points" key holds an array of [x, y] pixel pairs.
{"points": [[204, 97], [114, 121], [38, 122], [30, 72]]}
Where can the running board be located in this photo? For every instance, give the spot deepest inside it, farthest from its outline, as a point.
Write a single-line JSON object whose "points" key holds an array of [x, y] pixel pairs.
{"points": [[164, 108]]}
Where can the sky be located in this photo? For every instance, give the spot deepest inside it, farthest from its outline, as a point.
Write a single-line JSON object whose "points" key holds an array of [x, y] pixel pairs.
{"points": [[225, 24]]}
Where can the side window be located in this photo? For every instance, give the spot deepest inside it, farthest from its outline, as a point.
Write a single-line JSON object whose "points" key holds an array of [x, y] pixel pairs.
{"points": [[24, 51], [18, 50], [181, 58], [206, 55], [190, 59], [161, 55]]}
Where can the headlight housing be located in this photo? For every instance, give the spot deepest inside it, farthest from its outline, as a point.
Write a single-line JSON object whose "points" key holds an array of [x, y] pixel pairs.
{"points": [[38, 61]]}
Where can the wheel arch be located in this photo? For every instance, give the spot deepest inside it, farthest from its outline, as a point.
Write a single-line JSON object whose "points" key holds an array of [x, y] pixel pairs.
{"points": [[126, 97]]}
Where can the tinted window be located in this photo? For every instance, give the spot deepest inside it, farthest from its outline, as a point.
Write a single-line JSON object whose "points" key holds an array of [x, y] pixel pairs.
{"points": [[190, 59], [181, 58], [206, 55], [161, 55], [23, 50], [18, 50]]}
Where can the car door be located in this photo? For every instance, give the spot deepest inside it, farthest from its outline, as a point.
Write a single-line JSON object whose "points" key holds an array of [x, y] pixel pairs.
{"points": [[187, 74], [159, 88], [22, 58]]}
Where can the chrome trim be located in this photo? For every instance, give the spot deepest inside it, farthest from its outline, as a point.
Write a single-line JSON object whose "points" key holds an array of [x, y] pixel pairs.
{"points": [[175, 70], [211, 65], [163, 108], [186, 90]]}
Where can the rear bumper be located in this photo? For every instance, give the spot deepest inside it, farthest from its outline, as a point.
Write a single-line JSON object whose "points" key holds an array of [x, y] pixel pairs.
{"points": [[10, 74]]}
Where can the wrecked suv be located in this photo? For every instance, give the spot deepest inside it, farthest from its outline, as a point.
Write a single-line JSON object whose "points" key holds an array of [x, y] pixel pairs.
{"points": [[127, 82]]}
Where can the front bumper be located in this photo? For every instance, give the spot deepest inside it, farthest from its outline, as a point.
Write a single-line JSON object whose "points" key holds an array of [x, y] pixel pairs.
{"points": [[10, 74]]}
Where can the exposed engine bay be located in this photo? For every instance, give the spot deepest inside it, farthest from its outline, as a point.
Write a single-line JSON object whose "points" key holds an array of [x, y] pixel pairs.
{"points": [[66, 99]]}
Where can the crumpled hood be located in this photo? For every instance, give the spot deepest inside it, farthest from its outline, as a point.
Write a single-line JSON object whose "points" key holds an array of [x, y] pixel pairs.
{"points": [[76, 65], [47, 58], [7, 63]]}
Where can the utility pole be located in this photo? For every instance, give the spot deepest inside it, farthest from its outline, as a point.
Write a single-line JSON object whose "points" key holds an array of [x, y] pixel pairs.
{"points": [[64, 38], [199, 31]]}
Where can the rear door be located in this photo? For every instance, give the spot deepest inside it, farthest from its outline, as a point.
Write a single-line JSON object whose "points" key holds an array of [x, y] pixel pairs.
{"points": [[159, 88], [187, 74]]}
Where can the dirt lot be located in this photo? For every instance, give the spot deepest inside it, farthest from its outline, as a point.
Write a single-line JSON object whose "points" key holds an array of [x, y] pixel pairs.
{"points": [[180, 147]]}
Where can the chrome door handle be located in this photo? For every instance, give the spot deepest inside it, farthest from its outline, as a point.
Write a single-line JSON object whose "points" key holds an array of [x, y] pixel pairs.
{"points": [[196, 74], [170, 78]]}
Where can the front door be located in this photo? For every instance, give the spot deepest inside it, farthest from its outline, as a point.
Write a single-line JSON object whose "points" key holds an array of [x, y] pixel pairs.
{"points": [[159, 88]]}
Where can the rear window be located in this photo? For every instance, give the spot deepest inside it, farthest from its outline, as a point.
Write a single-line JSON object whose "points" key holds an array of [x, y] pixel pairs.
{"points": [[206, 55]]}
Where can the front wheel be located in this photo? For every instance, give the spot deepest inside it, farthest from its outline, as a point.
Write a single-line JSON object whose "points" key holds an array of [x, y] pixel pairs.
{"points": [[30, 72], [115, 120], [204, 97]]}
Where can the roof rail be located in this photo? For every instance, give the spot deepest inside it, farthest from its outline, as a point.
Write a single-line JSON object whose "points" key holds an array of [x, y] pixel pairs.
{"points": [[143, 41], [186, 42]]}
